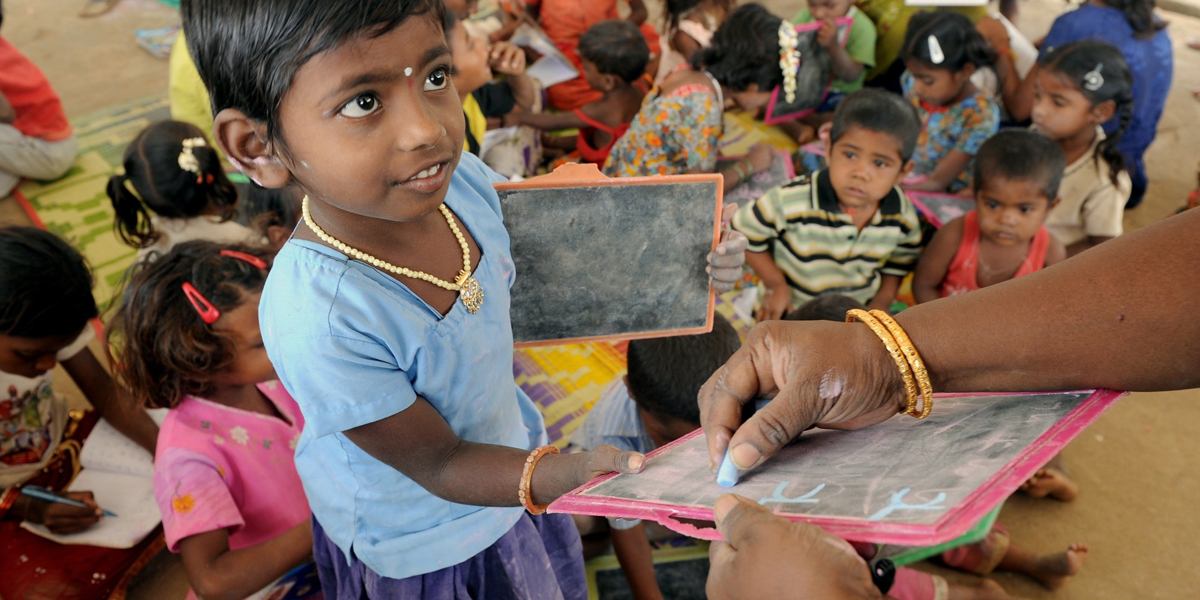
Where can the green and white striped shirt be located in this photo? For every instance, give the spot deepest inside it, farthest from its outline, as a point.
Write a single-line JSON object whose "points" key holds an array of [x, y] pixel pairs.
{"points": [[817, 246]]}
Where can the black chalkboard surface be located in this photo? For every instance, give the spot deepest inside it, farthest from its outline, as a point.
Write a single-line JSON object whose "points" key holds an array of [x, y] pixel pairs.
{"points": [[599, 258]]}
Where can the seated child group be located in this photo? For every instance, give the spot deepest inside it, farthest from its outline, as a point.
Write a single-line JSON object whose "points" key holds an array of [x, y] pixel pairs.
{"points": [[395, 457]]}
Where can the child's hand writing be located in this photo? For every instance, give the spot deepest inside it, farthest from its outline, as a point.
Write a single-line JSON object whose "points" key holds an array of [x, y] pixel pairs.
{"points": [[508, 59], [827, 35], [63, 518], [725, 263]]}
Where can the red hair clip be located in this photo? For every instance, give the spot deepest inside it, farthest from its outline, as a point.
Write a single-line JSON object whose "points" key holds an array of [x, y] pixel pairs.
{"points": [[250, 258], [208, 313]]}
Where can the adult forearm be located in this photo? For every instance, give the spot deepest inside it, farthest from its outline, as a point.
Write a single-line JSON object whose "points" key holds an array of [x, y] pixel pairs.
{"points": [[1116, 316]]}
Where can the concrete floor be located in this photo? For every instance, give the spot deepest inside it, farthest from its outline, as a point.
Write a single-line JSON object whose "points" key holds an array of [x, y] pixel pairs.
{"points": [[1135, 465]]}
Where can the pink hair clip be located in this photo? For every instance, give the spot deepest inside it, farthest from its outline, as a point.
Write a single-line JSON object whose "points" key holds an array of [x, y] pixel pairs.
{"points": [[208, 313], [242, 256]]}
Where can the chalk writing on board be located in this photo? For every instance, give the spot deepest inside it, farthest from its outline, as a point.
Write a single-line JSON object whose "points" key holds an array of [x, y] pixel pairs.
{"points": [[778, 498], [898, 503]]}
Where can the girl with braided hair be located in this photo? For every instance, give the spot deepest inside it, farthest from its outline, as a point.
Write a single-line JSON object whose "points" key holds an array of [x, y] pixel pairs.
{"points": [[1077, 88]]}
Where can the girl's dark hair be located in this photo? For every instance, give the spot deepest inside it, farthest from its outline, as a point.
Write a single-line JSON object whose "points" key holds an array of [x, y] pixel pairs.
{"points": [[956, 35], [164, 350], [1085, 64], [1140, 15], [616, 47], [163, 187], [744, 50], [665, 374], [263, 208], [45, 285], [248, 51]]}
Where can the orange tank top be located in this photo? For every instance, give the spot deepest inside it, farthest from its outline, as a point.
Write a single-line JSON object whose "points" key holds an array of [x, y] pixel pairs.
{"points": [[963, 274]]}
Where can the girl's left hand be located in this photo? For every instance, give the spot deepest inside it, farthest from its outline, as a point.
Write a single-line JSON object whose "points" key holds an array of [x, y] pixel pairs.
{"points": [[725, 264]]}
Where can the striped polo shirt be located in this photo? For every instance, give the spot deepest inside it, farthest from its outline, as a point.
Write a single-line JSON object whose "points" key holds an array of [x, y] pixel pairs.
{"points": [[817, 246]]}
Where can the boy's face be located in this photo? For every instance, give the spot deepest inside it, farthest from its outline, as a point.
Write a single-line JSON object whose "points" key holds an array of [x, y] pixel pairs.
{"points": [[938, 87], [822, 10], [31, 357], [864, 165], [472, 64], [1011, 210], [373, 128]]}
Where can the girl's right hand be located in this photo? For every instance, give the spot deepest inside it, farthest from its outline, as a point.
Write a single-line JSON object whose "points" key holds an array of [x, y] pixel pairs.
{"points": [[64, 518], [776, 303]]}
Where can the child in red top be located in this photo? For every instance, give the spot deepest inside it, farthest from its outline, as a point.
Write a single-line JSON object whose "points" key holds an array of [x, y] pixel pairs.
{"points": [[1017, 175], [614, 56], [35, 137]]}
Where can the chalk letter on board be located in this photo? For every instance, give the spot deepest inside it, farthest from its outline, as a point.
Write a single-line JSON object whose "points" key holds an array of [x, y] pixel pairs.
{"points": [[898, 504], [779, 498]]}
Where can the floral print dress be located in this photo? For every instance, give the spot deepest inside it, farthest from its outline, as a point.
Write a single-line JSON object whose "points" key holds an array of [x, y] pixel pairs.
{"points": [[964, 126], [672, 134]]}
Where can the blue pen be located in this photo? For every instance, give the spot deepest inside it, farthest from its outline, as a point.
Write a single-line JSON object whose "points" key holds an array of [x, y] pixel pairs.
{"points": [[41, 493]]}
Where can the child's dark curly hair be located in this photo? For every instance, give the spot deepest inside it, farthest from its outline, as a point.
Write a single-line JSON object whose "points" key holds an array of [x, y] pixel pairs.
{"points": [[744, 50], [45, 285], [154, 169], [163, 349]]}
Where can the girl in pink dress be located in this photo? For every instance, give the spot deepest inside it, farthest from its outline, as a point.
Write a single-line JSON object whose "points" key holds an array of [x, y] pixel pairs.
{"points": [[186, 336]]}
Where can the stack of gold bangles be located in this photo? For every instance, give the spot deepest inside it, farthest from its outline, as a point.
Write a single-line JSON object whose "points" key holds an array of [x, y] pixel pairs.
{"points": [[908, 360]]}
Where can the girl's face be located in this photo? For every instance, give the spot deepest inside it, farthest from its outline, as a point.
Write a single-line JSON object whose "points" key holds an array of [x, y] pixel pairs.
{"points": [[939, 87], [250, 363], [31, 357], [1011, 210], [1060, 110], [751, 99], [373, 127], [472, 68]]}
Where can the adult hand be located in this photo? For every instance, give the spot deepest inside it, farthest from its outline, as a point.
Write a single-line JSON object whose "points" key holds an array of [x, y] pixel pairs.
{"points": [[64, 518], [831, 375], [827, 35], [765, 556], [725, 263], [507, 58]]}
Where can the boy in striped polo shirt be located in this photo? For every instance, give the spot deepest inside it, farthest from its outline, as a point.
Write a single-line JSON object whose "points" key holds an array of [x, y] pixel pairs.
{"points": [[845, 229]]}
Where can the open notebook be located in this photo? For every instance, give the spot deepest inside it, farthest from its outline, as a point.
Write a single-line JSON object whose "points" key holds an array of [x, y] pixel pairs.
{"points": [[120, 474]]}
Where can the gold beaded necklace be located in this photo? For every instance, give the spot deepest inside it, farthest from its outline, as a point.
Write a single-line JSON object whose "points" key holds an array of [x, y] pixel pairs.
{"points": [[467, 287]]}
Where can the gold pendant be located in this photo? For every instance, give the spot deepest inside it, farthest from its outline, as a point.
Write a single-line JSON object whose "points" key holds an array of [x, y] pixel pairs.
{"points": [[470, 293]]}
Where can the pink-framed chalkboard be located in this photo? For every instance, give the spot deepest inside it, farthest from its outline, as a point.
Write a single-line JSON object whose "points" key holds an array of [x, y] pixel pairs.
{"points": [[904, 481]]}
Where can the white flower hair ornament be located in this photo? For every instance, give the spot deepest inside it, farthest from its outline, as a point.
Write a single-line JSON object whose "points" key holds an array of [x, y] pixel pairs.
{"points": [[187, 159], [789, 58], [1093, 80]]}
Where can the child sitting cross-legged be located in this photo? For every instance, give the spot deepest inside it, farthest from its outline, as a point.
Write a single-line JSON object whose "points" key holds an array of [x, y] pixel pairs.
{"points": [[847, 228], [851, 60], [1017, 174], [653, 405], [614, 55]]}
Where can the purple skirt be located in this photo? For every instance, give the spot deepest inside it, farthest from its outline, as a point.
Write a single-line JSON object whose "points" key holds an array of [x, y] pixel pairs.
{"points": [[540, 558]]}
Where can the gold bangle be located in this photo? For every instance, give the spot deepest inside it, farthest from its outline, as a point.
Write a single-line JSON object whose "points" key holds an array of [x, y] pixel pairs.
{"points": [[524, 494], [889, 343], [914, 360]]}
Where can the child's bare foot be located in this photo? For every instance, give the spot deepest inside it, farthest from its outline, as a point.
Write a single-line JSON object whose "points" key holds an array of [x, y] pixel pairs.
{"points": [[1050, 481], [1053, 570], [986, 590]]}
